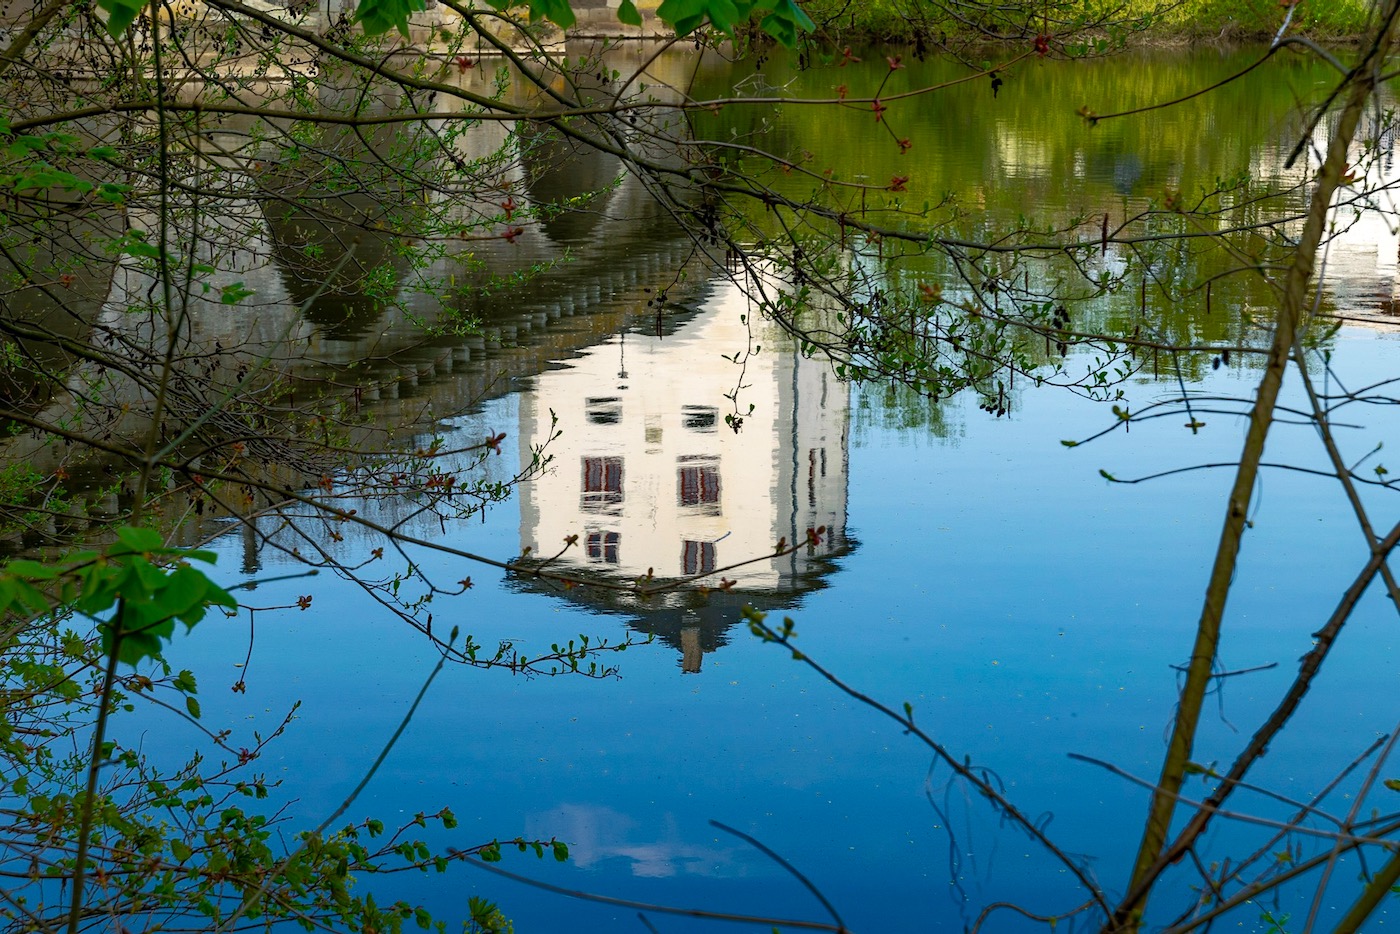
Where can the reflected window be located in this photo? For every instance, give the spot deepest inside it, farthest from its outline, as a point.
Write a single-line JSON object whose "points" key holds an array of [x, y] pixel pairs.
{"points": [[602, 482], [699, 417], [602, 546], [697, 482], [606, 410], [697, 558]]}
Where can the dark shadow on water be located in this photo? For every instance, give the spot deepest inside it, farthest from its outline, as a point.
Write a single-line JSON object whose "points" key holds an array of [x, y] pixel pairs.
{"points": [[692, 622]]}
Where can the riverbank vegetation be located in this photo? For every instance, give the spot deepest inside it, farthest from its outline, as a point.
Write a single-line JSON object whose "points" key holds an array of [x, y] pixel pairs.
{"points": [[1149, 22], [195, 194]]}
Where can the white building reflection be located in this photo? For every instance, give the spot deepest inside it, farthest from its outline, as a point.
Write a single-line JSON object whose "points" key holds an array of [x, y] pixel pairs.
{"points": [[648, 473]]}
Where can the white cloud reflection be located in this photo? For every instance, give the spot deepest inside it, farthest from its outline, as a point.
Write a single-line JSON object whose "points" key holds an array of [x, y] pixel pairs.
{"points": [[596, 834]]}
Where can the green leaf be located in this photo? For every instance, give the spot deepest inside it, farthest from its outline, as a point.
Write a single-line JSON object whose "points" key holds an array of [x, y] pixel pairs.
{"points": [[119, 17], [183, 592], [192, 706], [558, 12], [786, 21], [779, 29], [137, 541], [374, 24], [235, 293], [561, 851], [135, 647], [214, 595], [30, 598], [148, 578], [32, 570], [628, 13], [180, 850], [23, 145], [379, 16], [482, 911], [682, 15], [723, 15]]}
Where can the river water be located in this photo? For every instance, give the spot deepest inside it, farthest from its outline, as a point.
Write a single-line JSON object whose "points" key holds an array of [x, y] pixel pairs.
{"points": [[973, 566]]}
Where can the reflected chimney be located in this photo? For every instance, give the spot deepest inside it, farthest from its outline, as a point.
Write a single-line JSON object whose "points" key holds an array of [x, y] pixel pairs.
{"points": [[691, 653]]}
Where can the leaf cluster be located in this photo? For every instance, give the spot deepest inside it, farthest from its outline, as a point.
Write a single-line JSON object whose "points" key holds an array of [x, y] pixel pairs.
{"points": [[137, 588]]}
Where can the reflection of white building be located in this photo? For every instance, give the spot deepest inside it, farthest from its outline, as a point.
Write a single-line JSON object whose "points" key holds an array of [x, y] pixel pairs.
{"points": [[650, 476], [1359, 255]]}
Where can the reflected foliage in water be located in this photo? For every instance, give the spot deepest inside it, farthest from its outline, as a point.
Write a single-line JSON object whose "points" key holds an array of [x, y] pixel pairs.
{"points": [[1164, 228]]}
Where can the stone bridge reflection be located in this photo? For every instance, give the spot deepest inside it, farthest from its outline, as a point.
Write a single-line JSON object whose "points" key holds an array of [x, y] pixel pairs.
{"points": [[567, 311], [318, 319]]}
